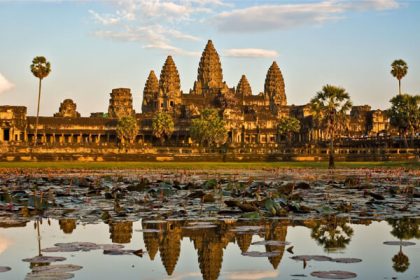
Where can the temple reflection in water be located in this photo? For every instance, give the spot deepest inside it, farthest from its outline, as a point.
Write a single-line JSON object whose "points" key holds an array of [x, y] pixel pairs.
{"points": [[211, 238]]}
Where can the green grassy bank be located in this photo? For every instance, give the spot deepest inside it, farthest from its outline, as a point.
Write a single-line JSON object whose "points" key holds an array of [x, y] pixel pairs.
{"points": [[204, 165]]}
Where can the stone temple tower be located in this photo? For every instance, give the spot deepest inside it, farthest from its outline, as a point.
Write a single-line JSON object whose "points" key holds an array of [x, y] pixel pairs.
{"points": [[150, 93], [121, 103], [274, 87], [210, 74], [169, 86], [243, 88]]}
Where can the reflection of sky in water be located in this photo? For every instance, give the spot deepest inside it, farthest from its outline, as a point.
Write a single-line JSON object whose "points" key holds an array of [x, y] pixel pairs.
{"points": [[366, 243]]}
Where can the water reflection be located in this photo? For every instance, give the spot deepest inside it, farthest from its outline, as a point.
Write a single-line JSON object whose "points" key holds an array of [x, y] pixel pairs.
{"points": [[332, 233], [210, 239], [403, 229]]}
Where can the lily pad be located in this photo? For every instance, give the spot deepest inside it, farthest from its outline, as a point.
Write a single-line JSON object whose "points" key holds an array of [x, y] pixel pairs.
{"points": [[312, 258], [334, 274], [271, 243], [44, 259], [59, 268], [118, 252], [399, 243], [246, 228], [346, 260], [4, 269], [261, 254], [48, 276]]}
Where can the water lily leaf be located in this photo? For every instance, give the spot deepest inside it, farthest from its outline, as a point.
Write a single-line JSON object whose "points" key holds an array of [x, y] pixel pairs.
{"points": [[261, 254], [251, 215], [399, 243], [48, 276], [334, 274], [4, 269], [246, 228], [311, 257], [346, 260], [59, 268], [44, 259], [118, 252], [200, 225], [210, 184], [271, 243]]}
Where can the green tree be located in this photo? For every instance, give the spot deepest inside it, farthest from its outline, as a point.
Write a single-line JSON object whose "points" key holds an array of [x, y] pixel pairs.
{"points": [[209, 129], [40, 68], [127, 129], [399, 69], [330, 108], [404, 114], [288, 125], [162, 126]]}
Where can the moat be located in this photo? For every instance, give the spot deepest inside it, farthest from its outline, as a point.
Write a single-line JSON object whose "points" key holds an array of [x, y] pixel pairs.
{"points": [[209, 224]]}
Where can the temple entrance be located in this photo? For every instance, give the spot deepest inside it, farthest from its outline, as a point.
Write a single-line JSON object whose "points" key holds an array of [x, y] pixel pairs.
{"points": [[6, 134]]}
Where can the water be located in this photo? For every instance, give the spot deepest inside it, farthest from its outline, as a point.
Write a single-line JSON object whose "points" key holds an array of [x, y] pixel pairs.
{"points": [[213, 250]]}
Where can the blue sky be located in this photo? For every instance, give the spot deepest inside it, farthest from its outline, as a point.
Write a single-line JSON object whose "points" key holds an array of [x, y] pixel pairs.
{"points": [[95, 46]]}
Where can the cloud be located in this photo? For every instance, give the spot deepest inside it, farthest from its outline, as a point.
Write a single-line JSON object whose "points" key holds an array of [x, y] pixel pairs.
{"points": [[151, 37], [286, 16], [5, 85], [155, 24], [250, 53]]}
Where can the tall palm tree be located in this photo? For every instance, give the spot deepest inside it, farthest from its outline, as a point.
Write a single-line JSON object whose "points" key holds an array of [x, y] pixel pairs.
{"points": [[399, 70], [330, 107], [40, 68]]}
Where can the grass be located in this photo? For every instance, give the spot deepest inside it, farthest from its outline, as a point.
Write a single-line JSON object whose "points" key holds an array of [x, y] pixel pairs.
{"points": [[205, 165]]}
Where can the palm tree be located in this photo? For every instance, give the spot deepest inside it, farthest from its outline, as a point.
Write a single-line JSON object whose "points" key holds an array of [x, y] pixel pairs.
{"points": [[399, 70], [330, 107], [40, 68]]}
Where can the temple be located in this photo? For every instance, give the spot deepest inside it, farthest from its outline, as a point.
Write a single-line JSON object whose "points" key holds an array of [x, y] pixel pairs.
{"points": [[251, 118]]}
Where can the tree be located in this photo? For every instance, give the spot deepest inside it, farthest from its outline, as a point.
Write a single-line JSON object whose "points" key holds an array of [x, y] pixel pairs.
{"points": [[162, 126], [330, 107], [40, 68], [209, 129], [127, 129], [288, 125], [404, 114], [399, 70]]}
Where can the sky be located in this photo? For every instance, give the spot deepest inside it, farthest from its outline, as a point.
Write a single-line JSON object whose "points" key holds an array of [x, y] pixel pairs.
{"points": [[95, 46]]}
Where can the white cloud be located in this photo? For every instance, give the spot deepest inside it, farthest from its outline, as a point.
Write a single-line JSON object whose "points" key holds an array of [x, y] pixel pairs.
{"points": [[251, 53], [5, 85], [285, 16], [151, 37], [155, 24]]}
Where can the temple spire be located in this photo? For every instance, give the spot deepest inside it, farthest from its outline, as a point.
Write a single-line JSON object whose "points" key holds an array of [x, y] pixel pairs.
{"points": [[274, 85], [169, 82], [150, 92], [243, 88], [210, 69]]}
